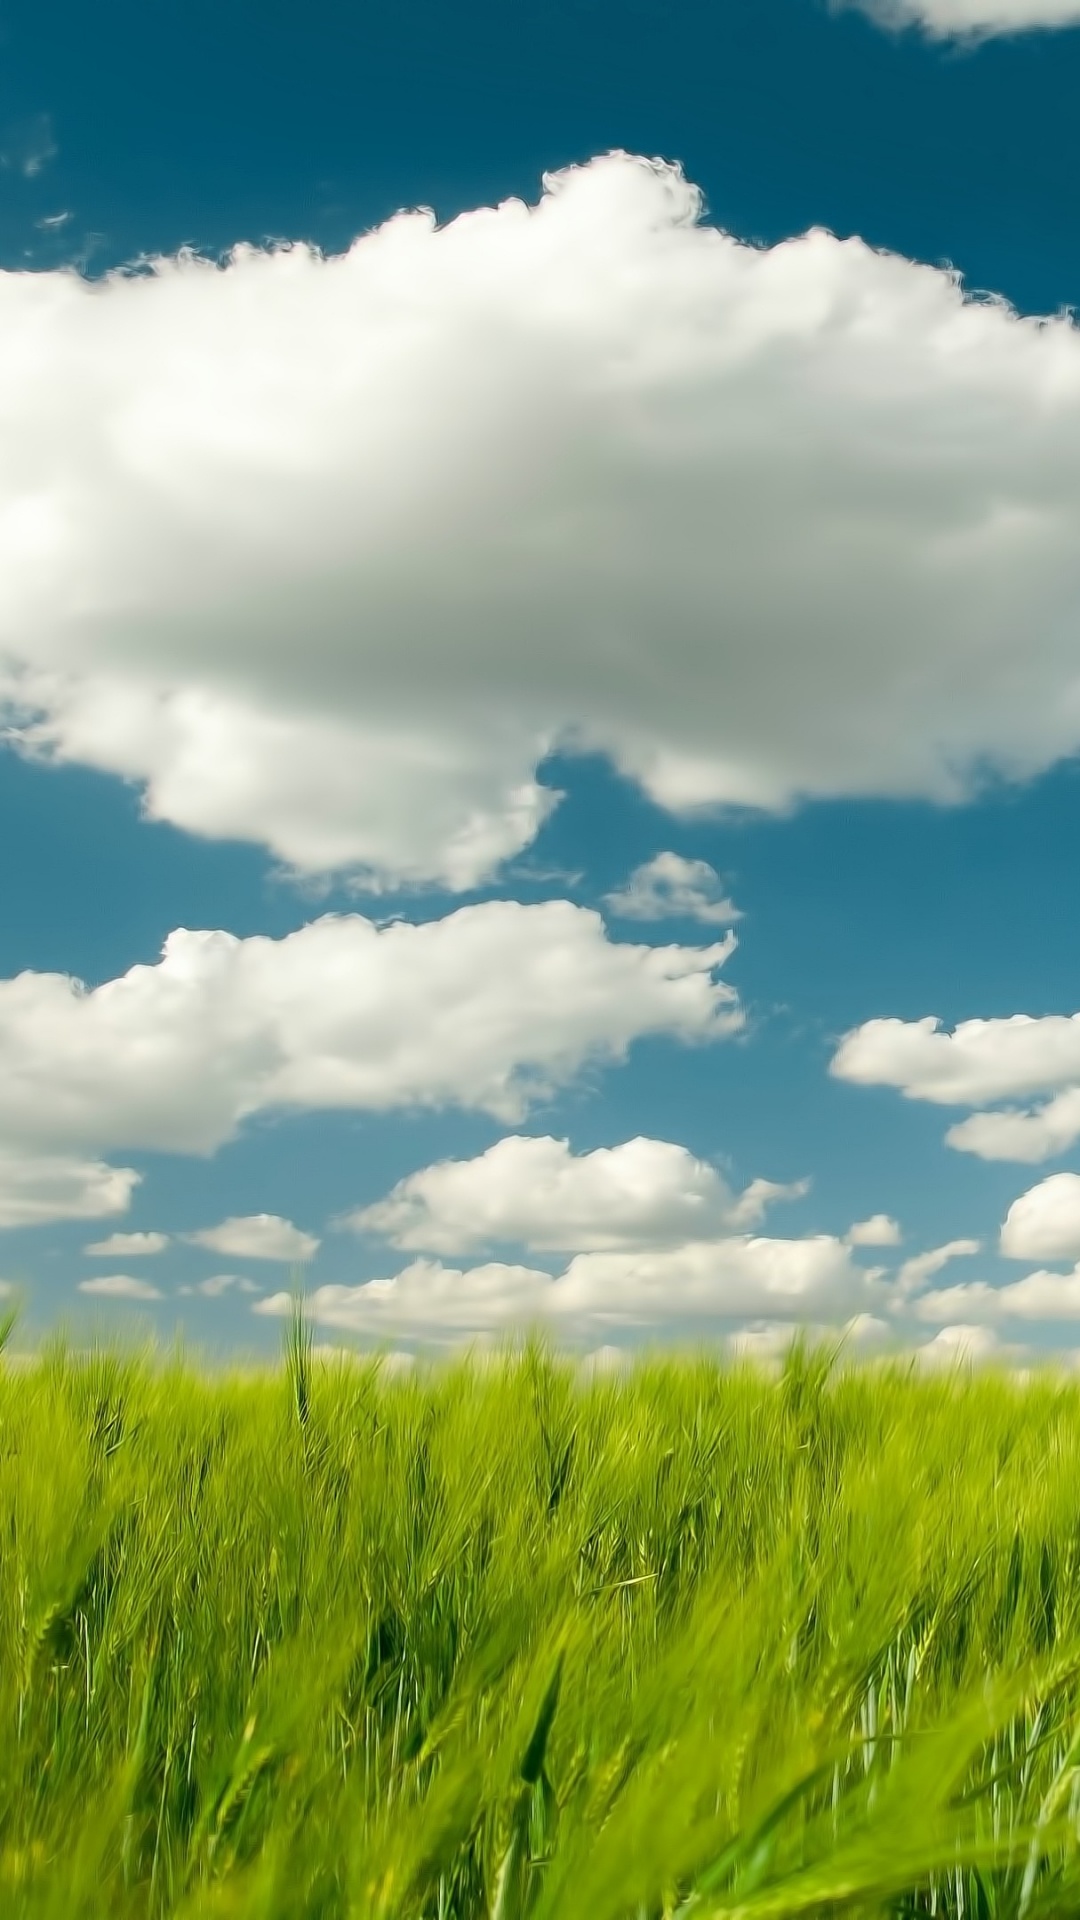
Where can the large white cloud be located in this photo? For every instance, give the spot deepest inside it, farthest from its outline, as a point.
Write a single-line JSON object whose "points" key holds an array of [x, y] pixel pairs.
{"points": [[38, 1186], [327, 553], [701, 1282], [979, 1062], [489, 1008], [1044, 1223], [537, 1193], [970, 19]]}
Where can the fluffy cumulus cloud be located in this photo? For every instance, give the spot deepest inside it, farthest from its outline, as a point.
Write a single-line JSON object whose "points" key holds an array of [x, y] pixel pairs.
{"points": [[328, 553], [697, 1284], [490, 1008], [1044, 1223], [37, 1185], [537, 1193], [120, 1286], [668, 886], [125, 1246], [980, 1062], [969, 19], [257, 1236]]}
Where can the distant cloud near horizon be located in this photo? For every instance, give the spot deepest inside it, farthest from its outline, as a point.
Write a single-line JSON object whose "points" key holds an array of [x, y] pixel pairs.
{"points": [[536, 1193], [698, 1283]]}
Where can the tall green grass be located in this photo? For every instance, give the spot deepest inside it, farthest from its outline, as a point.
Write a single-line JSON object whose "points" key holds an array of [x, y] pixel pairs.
{"points": [[505, 1640]]}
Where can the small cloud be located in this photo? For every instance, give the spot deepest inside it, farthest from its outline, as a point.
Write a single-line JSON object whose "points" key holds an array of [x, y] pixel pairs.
{"points": [[220, 1283], [126, 1246], [121, 1286], [880, 1230], [751, 1205], [28, 145], [52, 222], [670, 887], [257, 1236], [915, 1272]]}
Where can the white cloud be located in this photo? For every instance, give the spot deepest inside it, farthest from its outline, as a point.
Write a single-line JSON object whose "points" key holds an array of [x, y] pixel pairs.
{"points": [[257, 1236], [1038, 1296], [121, 1286], [426, 1301], [741, 1278], [491, 1008], [1011, 1135], [124, 1245], [969, 19], [38, 1186], [219, 1284], [668, 886], [535, 1192], [981, 1061], [1044, 1223], [922, 1267], [749, 1209], [327, 553], [880, 1230]]}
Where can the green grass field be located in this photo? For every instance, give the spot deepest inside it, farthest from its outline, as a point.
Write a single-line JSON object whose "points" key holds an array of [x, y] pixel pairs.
{"points": [[508, 1640]]}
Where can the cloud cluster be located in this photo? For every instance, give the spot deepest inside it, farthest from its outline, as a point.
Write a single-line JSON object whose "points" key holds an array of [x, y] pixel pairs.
{"points": [[970, 19], [329, 553], [536, 1193], [980, 1062], [491, 1008], [698, 1283]]}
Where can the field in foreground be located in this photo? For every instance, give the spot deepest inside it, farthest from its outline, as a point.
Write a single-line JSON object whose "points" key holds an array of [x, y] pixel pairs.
{"points": [[502, 1641]]}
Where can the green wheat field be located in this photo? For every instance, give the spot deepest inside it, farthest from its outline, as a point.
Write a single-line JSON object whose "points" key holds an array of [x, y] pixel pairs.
{"points": [[505, 1639]]}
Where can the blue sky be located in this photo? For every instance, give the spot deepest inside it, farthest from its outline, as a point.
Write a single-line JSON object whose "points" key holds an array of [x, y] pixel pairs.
{"points": [[326, 570]]}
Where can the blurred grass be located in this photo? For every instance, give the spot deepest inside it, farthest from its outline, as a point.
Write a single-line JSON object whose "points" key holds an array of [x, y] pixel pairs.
{"points": [[488, 1642]]}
